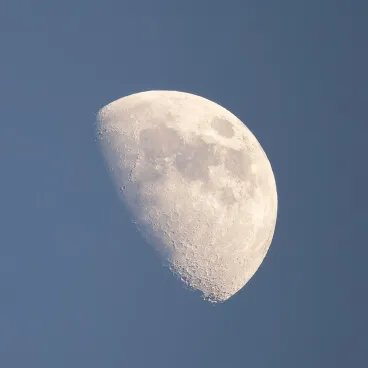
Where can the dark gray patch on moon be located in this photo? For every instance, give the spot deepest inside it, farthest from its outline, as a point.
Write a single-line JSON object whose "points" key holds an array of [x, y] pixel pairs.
{"points": [[227, 196], [223, 127], [150, 173], [193, 160], [159, 142], [238, 163]]}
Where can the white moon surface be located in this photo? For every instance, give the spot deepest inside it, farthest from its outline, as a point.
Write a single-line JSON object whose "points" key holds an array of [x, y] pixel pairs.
{"points": [[197, 184]]}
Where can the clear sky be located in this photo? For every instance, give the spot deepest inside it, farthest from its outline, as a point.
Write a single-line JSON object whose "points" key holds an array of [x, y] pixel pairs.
{"points": [[78, 288]]}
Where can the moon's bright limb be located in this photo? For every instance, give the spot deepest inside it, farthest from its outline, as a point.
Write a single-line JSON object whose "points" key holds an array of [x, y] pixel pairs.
{"points": [[197, 184]]}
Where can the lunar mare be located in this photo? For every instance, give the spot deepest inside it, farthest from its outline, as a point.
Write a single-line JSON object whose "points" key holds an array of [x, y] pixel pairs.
{"points": [[197, 184]]}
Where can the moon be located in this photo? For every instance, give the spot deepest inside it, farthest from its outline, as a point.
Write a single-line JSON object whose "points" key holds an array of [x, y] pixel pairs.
{"points": [[197, 184]]}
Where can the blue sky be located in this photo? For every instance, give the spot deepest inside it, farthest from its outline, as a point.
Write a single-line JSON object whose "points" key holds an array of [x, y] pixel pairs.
{"points": [[78, 288]]}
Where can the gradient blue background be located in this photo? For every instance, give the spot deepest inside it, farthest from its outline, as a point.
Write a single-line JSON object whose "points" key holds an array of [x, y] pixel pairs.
{"points": [[78, 288]]}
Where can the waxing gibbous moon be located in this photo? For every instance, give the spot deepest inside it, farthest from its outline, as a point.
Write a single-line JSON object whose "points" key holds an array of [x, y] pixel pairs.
{"points": [[196, 183]]}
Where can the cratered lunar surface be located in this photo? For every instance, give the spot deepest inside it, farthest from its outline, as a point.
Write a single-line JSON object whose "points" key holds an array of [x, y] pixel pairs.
{"points": [[196, 183]]}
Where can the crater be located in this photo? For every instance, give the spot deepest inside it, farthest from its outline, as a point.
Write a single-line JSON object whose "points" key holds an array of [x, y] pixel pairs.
{"points": [[223, 127]]}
